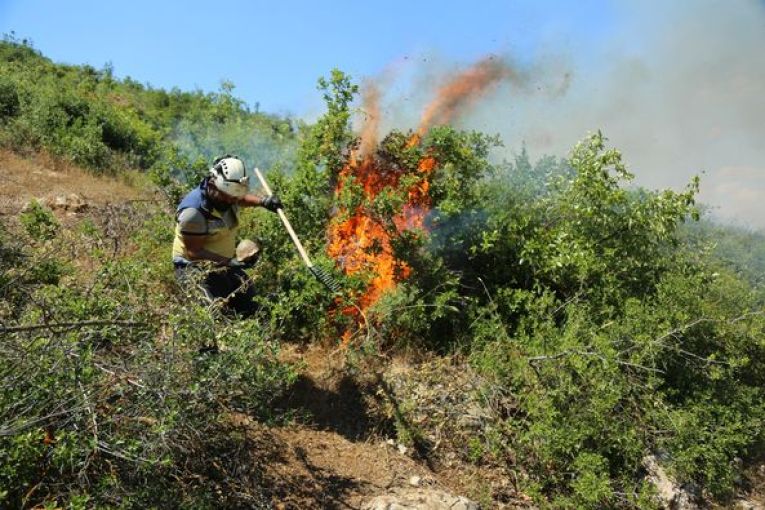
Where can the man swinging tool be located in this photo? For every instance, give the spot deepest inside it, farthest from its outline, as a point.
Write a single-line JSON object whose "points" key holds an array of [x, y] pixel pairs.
{"points": [[205, 235]]}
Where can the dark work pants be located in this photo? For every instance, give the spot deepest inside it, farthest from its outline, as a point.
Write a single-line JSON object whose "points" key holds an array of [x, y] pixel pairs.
{"points": [[219, 284]]}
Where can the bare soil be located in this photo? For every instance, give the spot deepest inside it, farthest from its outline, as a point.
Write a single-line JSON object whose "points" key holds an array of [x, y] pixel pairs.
{"points": [[338, 453]]}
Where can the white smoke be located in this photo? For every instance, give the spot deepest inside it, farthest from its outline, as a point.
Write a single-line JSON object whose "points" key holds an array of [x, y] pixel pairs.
{"points": [[680, 90]]}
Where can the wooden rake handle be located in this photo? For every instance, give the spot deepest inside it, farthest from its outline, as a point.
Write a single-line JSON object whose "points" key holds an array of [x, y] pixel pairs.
{"points": [[286, 222]]}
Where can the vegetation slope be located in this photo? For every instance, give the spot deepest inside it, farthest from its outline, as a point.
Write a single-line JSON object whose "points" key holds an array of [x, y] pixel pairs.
{"points": [[611, 330]]}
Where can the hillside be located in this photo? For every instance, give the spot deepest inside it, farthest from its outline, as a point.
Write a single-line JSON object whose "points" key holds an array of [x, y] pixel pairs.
{"points": [[519, 333], [86, 116], [334, 454]]}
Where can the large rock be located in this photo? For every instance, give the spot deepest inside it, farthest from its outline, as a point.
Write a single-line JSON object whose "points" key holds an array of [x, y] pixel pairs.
{"points": [[419, 499], [672, 496], [73, 202]]}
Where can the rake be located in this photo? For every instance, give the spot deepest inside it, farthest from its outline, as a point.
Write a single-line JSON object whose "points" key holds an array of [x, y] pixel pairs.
{"points": [[322, 275]]}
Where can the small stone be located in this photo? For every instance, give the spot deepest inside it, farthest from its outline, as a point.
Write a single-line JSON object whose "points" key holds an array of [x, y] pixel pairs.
{"points": [[402, 449], [414, 481], [669, 492]]}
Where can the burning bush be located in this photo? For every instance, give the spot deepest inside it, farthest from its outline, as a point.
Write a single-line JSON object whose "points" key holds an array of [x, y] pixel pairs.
{"points": [[565, 287]]}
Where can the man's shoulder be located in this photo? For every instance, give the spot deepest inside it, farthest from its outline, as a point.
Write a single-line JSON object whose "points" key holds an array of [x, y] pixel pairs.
{"points": [[193, 199], [192, 221]]}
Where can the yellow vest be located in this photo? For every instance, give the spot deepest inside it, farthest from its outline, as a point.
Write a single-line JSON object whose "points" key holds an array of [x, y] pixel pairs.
{"points": [[221, 234]]}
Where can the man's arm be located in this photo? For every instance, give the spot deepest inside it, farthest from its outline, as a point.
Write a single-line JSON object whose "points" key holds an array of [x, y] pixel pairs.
{"points": [[196, 250], [270, 202], [250, 200]]}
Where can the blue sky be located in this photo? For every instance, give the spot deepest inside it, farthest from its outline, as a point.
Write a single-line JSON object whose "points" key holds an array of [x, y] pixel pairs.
{"points": [[676, 85], [275, 51]]}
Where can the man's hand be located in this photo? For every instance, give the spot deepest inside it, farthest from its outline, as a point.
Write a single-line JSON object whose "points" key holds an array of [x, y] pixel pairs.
{"points": [[272, 203]]}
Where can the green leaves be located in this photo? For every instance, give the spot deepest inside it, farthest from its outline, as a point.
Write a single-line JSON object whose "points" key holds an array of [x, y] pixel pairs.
{"points": [[331, 134], [105, 393], [39, 222], [9, 99], [598, 235]]}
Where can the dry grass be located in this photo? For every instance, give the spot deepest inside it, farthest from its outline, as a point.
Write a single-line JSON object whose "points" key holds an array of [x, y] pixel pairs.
{"points": [[42, 177]]}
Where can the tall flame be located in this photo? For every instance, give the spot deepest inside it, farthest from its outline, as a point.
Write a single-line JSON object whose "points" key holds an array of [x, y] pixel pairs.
{"points": [[358, 241]]}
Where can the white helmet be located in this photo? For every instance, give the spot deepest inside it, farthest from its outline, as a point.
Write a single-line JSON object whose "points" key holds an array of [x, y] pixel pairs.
{"points": [[229, 176]]}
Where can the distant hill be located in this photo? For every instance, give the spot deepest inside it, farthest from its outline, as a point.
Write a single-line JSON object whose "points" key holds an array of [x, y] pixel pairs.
{"points": [[740, 249], [106, 124]]}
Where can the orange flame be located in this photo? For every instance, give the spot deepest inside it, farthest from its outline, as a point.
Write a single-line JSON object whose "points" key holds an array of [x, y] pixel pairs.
{"points": [[462, 91], [358, 241]]}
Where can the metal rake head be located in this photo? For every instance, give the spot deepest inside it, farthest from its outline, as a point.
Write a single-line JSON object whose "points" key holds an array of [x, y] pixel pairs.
{"points": [[324, 277]]}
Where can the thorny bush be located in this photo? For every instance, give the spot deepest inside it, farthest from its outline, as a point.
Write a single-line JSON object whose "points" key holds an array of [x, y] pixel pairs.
{"points": [[109, 397]]}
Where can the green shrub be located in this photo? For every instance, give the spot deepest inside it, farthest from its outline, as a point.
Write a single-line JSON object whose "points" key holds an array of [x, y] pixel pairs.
{"points": [[39, 222], [9, 99], [106, 394]]}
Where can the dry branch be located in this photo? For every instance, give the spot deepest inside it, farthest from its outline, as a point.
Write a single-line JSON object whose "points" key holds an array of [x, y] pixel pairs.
{"points": [[72, 325]]}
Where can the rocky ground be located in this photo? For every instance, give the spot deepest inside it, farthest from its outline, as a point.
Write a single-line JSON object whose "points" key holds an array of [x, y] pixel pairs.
{"points": [[58, 184], [341, 451]]}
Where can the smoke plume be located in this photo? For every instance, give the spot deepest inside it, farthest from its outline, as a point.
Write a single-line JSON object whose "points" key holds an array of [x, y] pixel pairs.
{"points": [[371, 122], [678, 89]]}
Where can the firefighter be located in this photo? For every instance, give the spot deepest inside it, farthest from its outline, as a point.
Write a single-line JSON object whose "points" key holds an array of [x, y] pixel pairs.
{"points": [[204, 248]]}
